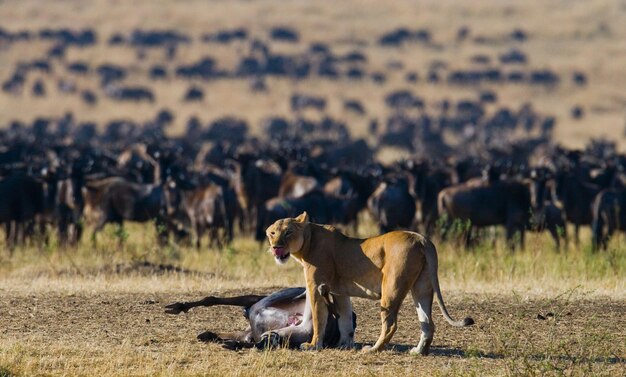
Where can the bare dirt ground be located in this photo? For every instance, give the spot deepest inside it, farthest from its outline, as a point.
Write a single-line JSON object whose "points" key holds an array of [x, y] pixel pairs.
{"points": [[127, 333], [100, 312]]}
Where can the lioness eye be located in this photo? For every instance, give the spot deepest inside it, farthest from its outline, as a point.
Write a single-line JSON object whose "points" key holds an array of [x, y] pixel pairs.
{"points": [[272, 233]]}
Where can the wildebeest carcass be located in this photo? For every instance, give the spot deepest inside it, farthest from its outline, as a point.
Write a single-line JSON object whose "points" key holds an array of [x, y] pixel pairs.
{"points": [[484, 203], [282, 318]]}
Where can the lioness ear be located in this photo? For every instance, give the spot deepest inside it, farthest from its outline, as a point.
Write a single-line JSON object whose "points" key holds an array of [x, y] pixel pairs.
{"points": [[303, 218]]}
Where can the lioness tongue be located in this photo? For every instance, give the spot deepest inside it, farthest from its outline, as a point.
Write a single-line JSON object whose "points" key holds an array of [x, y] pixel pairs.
{"points": [[279, 251]]}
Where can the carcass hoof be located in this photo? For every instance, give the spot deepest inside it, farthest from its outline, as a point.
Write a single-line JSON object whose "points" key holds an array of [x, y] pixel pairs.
{"points": [[270, 340], [208, 336]]}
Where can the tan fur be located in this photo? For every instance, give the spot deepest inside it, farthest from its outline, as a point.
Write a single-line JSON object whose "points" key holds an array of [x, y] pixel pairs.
{"points": [[385, 267]]}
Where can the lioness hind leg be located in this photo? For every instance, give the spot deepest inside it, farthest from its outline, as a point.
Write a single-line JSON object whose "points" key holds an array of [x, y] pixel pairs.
{"points": [[389, 317], [422, 293], [391, 299]]}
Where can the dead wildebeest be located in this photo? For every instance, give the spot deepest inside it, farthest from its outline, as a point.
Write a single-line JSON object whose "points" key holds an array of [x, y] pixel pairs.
{"points": [[484, 203], [283, 318]]}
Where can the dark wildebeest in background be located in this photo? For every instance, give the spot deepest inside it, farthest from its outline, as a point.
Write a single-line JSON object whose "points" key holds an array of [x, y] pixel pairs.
{"points": [[282, 318], [609, 215], [428, 181], [392, 205], [260, 181], [294, 185], [322, 208], [356, 187], [483, 203], [546, 214], [63, 207], [202, 209], [21, 200], [115, 200], [68, 211], [577, 198]]}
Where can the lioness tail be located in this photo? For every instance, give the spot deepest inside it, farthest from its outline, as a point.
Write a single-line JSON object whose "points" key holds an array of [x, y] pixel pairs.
{"points": [[432, 264]]}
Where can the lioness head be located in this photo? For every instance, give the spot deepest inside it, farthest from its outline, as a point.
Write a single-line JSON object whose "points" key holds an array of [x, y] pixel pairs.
{"points": [[286, 237]]}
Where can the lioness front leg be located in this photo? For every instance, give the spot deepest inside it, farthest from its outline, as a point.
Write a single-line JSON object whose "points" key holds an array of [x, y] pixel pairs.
{"points": [[320, 316]]}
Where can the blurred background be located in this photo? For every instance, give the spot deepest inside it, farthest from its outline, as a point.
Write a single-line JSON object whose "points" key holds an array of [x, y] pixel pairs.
{"points": [[562, 62]]}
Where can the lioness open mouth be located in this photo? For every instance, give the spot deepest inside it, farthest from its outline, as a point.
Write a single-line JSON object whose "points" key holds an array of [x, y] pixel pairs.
{"points": [[280, 253]]}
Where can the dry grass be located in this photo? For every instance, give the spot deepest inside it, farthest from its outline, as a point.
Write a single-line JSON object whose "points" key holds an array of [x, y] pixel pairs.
{"points": [[99, 311], [133, 337]]}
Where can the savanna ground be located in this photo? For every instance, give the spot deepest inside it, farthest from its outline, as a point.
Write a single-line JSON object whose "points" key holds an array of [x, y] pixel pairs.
{"points": [[99, 310]]}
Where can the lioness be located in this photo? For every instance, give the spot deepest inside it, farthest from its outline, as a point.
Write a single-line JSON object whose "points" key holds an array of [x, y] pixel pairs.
{"points": [[386, 267]]}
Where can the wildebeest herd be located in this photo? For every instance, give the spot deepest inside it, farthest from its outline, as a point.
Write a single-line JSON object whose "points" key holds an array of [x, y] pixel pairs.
{"points": [[475, 163], [256, 61], [55, 177]]}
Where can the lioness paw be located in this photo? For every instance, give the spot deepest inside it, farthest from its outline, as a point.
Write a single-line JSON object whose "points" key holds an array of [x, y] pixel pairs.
{"points": [[367, 349], [309, 347], [418, 351], [423, 348]]}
